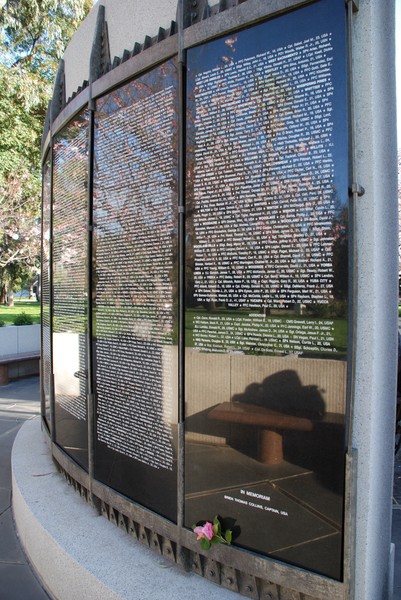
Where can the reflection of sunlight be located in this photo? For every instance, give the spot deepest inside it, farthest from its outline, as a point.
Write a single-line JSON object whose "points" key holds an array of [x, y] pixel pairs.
{"points": [[66, 363], [70, 372]]}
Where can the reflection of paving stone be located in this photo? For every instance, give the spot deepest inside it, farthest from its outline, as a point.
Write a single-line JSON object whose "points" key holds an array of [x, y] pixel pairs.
{"points": [[72, 435], [133, 479], [270, 522], [322, 555], [278, 508], [211, 467], [326, 502]]}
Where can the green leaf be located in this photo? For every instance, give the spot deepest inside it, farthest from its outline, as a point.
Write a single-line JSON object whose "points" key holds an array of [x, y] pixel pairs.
{"points": [[228, 536], [204, 544], [216, 526]]}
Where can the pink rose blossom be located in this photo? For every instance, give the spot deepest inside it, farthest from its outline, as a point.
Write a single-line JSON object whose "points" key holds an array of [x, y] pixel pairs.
{"points": [[204, 531]]}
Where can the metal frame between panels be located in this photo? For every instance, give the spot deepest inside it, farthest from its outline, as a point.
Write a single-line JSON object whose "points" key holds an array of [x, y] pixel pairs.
{"points": [[90, 396], [48, 426], [181, 268], [236, 569]]}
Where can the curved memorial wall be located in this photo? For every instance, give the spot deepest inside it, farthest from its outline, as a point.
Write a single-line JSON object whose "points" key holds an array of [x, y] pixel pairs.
{"points": [[195, 293]]}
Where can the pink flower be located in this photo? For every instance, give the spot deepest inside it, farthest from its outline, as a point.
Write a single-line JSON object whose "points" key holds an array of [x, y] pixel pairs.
{"points": [[204, 531]]}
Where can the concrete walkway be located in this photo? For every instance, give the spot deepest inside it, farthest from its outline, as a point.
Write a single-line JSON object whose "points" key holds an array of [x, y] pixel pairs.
{"points": [[19, 401], [396, 534]]}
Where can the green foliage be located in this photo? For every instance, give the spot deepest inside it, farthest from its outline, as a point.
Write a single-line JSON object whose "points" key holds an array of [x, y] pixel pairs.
{"points": [[216, 526], [211, 533], [23, 319], [35, 32], [229, 536], [337, 312], [33, 36], [29, 307], [336, 309], [205, 544], [2, 323]]}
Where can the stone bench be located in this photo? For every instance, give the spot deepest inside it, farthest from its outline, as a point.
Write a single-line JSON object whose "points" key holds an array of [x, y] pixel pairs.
{"points": [[271, 425], [14, 366]]}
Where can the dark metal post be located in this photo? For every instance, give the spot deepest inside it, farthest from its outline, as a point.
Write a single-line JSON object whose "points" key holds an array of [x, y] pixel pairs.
{"points": [[41, 374], [181, 265], [51, 299], [89, 337], [354, 192]]}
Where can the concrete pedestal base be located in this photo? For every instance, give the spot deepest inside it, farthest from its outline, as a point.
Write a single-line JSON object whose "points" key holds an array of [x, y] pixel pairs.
{"points": [[3, 374], [271, 447]]}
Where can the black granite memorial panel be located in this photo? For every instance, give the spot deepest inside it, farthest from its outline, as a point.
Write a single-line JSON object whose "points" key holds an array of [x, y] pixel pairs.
{"points": [[70, 216], [45, 291], [135, 289], [267, 285]]}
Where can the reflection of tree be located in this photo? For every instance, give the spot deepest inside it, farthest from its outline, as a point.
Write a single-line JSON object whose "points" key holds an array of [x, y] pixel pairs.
{"points": [[340, 255], [134, 210], [45, 280], [69, 225], [227, 201], [261, 198], [19, 231], [135, 281]]}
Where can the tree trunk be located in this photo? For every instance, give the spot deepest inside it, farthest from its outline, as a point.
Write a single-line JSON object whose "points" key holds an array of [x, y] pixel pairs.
{"points": [[211, 306], [10, 301], [3, 297]]}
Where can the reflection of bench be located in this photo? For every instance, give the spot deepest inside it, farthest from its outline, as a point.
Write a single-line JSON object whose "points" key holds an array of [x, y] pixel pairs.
{"points": [[27, 364], [271, 424]]}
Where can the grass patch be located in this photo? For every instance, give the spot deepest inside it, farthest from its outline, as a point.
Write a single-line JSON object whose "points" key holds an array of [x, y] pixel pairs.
{"points": [[240, 330], [29, 307]]}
